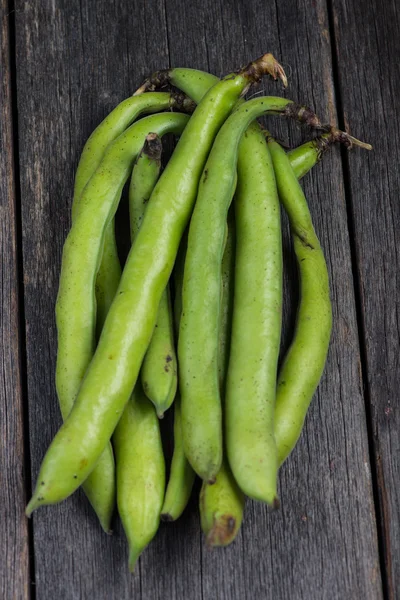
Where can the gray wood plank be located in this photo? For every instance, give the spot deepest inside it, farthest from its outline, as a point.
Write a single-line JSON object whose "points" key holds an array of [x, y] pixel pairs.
{"points": [[76, 61], [322, 543], [14, 542], [367, 42], [74, 64]]}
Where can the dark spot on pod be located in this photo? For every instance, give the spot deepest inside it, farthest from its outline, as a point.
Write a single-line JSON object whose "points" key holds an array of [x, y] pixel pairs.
{"points": [[205, 175], [231, 522], [42, 483], [75, 476], [168, 358], [166, 368], [110, 357]]}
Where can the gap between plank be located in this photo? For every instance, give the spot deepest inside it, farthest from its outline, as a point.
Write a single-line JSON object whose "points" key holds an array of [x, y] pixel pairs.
{"points": [[358, 306], [21, 291]]}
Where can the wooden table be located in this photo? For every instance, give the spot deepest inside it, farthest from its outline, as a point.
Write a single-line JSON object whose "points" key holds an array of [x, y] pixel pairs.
{"points": [[64, 65]]}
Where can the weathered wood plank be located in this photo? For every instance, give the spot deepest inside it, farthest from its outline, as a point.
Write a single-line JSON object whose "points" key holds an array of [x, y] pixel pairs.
{"points": [[76, 61], [322, 544], [367, 43], [70, 73], [14, 543]]}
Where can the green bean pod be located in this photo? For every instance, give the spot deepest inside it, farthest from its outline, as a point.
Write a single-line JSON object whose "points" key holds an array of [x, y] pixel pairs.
{"points": [[221, 508], [306, 156], [304, 362], [110, 128], [192, 82], [113, 126], [195, 84], [127, 331], [159, 369], [256, 325], [182, 476], [222, 503], [140, 472], [199, 327], [140, 461], [100, 485], [75, 309]]}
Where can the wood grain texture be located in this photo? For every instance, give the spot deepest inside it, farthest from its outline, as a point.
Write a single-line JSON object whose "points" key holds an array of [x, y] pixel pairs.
{"points": [[14, 544], [76, 62], [367, 42], [316, 546]]}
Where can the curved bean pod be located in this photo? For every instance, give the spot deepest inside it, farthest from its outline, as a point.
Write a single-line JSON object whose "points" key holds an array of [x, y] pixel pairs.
{"points": [[140, 472], [159, 369], [196, 83], [192, 82], [127, 331], [100, 485], [199, 327], [305, 360], [110, 128], [113, 126], [66, 466], [221, 505]]}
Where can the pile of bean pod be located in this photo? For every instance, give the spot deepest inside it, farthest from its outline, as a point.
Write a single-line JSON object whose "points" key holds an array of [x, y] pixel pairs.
{"points": [[193, 318]]}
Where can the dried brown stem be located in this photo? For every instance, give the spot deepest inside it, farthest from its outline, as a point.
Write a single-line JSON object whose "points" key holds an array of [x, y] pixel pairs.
{"points": [[265, 65], [158, 80]]}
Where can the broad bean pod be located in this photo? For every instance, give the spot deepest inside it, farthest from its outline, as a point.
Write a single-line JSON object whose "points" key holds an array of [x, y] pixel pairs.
{"points": [[126, 334], [182, 476], [222, 503], [304, 362], [256, 325], [159, 369], [198, 334], [66, 466], [100, 485], [140, 472]]}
